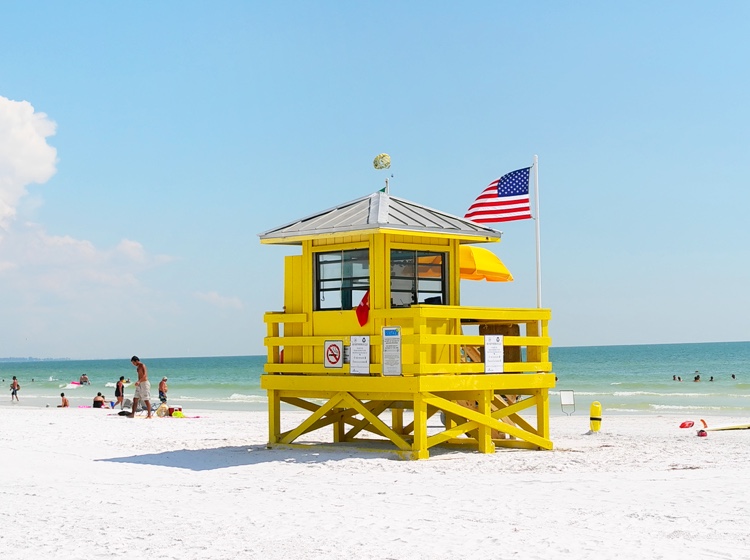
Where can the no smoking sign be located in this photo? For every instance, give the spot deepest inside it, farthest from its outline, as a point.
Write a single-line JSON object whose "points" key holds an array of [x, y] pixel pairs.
{"points": [[334, 353]]}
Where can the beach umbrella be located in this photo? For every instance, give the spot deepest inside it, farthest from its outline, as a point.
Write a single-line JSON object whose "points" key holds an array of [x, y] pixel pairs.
{"points": [[478, 263]]}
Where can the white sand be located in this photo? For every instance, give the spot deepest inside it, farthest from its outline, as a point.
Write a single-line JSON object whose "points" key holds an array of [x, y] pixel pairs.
{"points": [[83, 483]]}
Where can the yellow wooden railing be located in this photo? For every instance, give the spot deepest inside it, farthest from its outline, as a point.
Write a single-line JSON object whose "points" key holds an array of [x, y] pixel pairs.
{"points": [[425, 328]]}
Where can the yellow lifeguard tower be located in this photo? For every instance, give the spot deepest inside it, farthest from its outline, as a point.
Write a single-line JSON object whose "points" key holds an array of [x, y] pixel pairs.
{"points": [[372, 336]]}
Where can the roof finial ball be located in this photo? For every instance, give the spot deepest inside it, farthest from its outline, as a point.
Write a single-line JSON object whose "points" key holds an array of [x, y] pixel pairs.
{"points": [[382, 161]]}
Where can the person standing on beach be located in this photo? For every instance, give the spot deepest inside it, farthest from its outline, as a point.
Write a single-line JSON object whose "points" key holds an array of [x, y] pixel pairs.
{"points": [[163, 390], [120, 391], [14, 387], [142, 387]]}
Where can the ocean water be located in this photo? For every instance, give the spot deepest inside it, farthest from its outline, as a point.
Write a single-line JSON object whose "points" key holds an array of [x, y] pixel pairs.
{"points": [[624, 379], [639, 378], [223, 383]]}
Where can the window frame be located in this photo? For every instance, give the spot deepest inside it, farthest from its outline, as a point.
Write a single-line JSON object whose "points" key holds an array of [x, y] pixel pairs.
{"points": [[417, 278], [348, 295]]}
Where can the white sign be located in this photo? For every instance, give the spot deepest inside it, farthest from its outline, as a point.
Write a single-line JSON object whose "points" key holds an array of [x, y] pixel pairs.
{"points": [[493, 353], [391, 350], [333, 352], [359, 355]]}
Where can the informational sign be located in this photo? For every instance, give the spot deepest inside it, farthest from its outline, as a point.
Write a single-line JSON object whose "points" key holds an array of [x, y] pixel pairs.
{"points": [[359, 355], [493, 353], [333, 352], [391, 350]]}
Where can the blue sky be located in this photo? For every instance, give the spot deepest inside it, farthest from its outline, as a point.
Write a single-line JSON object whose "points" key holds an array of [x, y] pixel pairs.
{"points": [[144, 145]]}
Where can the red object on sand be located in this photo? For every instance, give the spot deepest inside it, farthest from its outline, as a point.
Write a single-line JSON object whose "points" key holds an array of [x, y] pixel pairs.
{"points": [[702, 433], [687, 424]]}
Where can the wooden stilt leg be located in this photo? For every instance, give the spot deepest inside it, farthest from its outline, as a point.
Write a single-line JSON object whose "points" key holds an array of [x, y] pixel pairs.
{"points": [[397, 420], [485, 432], [419, 447], [339, 429], [274, 416], [542, 413]]}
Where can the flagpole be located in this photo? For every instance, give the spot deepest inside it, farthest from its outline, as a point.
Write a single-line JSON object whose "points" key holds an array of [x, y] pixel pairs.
{"points": [[538, 244]]}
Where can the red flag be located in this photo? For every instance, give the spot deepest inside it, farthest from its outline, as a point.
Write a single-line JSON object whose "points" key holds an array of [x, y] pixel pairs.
{"points": [[363, 309]]}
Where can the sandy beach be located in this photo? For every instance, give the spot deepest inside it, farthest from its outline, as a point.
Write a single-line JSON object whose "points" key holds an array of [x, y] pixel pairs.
{"points": [[81, 483]]}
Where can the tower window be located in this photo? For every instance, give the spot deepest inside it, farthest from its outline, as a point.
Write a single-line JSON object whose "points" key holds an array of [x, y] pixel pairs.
{"points": [[417, 277], [342, 279]]}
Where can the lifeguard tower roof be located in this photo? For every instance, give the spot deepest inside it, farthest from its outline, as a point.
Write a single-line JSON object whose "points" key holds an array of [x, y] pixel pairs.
{"points": [[376, 212]]}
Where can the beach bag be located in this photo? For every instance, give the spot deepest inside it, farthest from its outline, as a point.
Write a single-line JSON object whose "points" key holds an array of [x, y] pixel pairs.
{"points": [[161, 412]]}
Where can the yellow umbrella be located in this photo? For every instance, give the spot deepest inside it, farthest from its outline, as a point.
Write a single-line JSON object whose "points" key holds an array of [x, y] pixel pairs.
{"points": [[478, 263]]}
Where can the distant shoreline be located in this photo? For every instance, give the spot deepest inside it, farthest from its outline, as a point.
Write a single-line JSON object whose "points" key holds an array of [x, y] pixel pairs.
{"points": [[552, 348], [11, 359]]}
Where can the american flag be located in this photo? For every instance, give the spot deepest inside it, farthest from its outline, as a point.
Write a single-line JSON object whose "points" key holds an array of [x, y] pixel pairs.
{"points": [[504, 200]]}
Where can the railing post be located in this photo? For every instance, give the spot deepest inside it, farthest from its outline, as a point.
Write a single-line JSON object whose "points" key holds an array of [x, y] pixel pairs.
{"points": [[533, 353], [272, 331]]}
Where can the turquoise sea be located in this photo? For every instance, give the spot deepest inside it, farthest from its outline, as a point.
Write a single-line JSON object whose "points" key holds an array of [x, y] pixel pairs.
{"points": [[624, 379]]}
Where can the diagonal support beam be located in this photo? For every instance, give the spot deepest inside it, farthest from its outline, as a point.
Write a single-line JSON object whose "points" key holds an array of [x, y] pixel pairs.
{"points": [[290, 436], [510, 411], [431, 410], [376, 407], [375, 421], [300, 403], [476, 419]]}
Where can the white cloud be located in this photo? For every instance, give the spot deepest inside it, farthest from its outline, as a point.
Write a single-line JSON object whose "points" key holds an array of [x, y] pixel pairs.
{"points": [[65, 296], [35, 261], [220, 301], [132, 250], [25, 156]]}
